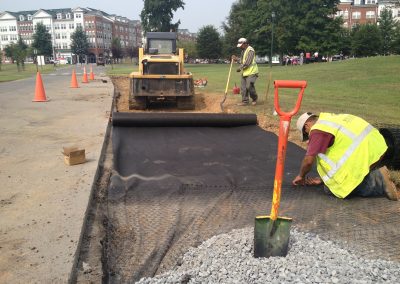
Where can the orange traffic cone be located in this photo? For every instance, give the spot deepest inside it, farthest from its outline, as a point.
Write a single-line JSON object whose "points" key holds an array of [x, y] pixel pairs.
{"points": [[40, 94], [91, 77], [84, 78], [74, 82]]}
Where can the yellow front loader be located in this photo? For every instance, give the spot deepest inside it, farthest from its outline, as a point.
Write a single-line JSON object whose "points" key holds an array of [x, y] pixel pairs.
{"points": [[161, 76]]}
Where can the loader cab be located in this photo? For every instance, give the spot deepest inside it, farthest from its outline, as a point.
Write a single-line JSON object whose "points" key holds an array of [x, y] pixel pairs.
{"points": [[160, 43]]}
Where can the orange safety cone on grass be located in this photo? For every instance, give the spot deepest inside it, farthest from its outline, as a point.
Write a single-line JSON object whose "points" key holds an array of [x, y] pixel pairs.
{"points": [[74, 82], [40, 94], [85, 77], [91, 77]]}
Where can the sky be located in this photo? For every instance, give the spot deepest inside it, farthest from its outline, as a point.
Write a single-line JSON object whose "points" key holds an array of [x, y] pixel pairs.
{"points": [[197, 13]]}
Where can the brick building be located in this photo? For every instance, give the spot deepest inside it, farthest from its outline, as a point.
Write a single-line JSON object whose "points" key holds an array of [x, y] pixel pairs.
{"points": [[100, 28], [359, 12]]}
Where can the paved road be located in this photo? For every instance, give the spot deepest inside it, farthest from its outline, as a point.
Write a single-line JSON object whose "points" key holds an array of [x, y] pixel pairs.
{"points": [[42, 200]]}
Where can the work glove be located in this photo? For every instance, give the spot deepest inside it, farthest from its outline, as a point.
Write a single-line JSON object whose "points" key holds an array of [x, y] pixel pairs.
{"points": [[238, 70]]}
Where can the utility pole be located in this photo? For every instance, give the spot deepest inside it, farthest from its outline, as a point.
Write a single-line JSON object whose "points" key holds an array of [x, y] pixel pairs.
{"points": [[272, 38]]}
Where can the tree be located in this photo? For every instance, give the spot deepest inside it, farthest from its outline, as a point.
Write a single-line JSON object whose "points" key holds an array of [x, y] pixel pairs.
{"points": [[344, 43], [42, 41], [116, 48], [1, 58], [157, 15], [209, 44], [17, 52], [189, 47], [387, 29], [21, 51], [396, 39], [80, 44], [298, 25], [366, 40], [132, 51], [238, 24]]}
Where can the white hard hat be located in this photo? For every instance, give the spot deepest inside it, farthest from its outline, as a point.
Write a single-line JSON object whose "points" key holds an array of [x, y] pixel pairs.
{"points": [[300, 124], [241, 41]]}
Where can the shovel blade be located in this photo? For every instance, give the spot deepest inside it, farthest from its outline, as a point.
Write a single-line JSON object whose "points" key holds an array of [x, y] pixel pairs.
{"points": [[271, 238]]}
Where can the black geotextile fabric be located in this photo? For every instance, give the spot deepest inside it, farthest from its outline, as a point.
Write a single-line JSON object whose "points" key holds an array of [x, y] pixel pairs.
{"points": [[174, 187]]}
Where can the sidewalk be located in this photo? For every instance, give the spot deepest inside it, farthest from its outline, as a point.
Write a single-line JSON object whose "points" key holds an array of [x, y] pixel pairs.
{"points": [[42, 200]]}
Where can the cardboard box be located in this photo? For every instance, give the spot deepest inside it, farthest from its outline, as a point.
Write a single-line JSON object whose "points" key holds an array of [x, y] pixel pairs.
{"points": [[74, 156]]}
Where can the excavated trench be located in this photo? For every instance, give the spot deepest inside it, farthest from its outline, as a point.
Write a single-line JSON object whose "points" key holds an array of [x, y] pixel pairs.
{"points": [[168, 182]]}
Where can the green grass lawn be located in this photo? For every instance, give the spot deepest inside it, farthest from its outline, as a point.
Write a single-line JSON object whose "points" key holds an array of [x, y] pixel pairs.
{"points": [[9, 72], [367, 87]]}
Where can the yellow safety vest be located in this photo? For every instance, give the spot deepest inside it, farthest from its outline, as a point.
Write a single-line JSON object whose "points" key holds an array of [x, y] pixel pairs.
{"points": [[252, 68], [357, 146]]}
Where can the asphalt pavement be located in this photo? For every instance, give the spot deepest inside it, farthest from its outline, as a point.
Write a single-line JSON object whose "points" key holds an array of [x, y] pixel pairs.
{"points": [[42, 200]]}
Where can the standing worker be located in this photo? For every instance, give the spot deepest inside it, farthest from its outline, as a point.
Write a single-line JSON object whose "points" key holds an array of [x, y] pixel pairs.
{"points": [[347, 150], [249, 69]]}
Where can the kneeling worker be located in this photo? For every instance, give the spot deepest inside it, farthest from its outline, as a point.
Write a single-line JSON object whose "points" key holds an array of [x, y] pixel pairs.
{"points": [[347, 150]]}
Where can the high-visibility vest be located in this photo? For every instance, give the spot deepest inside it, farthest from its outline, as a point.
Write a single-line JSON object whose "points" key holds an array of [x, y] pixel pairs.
{"points": [[252, 68], [357, 146]]}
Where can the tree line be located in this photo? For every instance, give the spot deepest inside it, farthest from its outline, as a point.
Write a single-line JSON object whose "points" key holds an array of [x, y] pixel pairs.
{"points": [[287, 27], [297, 26]]}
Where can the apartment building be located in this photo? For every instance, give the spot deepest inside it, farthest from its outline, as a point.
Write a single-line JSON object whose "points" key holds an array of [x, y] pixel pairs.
{"points": [[100, 28], [359, 12]]}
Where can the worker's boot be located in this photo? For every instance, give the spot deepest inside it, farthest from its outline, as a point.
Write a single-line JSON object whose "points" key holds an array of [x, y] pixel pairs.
{"points": [[390, 188]]}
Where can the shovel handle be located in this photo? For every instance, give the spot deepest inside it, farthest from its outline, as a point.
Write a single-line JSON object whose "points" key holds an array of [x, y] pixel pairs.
{"points": [[284, 127], [293, 85], [229, 76], [227, 85]]}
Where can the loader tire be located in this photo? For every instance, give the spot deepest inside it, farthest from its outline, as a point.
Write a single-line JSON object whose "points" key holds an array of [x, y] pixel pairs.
{"points": [[185, 103]]}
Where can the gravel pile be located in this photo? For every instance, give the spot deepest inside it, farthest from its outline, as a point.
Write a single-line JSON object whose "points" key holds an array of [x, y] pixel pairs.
{"points": [[228, 258]]}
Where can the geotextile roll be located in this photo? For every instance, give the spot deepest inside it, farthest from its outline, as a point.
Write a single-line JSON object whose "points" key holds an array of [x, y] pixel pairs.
{"points": [[124, 119]]}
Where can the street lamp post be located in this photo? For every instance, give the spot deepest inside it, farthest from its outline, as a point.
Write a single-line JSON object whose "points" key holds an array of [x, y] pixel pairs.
{"points": [[272, 38], [36, 59], [111, 55]]}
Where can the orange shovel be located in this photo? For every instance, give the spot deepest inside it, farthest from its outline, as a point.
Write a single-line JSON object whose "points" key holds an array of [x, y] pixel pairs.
{"points": [[271, 233]]}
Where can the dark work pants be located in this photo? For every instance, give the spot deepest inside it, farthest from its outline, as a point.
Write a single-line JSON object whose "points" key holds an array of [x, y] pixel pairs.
{"points": [[373, 184], [248, 88]]}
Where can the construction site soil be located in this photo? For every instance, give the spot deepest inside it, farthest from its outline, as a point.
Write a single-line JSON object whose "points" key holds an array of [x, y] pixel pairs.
{"points": [[140, 224]]}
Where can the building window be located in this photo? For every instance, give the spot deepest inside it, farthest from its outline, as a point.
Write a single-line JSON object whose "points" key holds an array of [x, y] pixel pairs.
{"points": [[370, 14], [12, 28], [63, 36], [21, 18], [78, 25], [4, 37], [56, 26], [59, 16], [68, 16], [63, 26], [71, 26], [3, 29], [58, 36], [78, 16], [370, 2], [14, 37], [29, 17], [356, 15]]}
